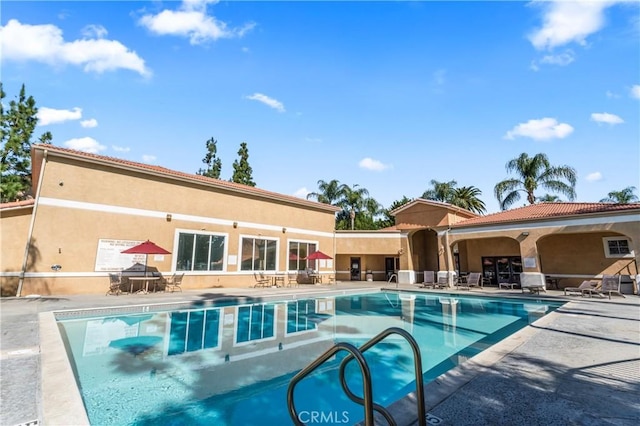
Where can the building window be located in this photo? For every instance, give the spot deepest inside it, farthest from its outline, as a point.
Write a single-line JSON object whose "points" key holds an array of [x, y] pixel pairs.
{"points": [[258, 254], [617, 247], [193, 331], [200, 252], [255, 322], [298, 252]]}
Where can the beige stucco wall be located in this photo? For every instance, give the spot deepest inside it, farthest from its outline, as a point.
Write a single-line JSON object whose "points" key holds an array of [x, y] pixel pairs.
{"points": [[128, 205], [14, 228]]}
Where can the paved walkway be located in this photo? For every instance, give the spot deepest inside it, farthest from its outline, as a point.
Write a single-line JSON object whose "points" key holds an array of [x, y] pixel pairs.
{"points": [[579, 365]]}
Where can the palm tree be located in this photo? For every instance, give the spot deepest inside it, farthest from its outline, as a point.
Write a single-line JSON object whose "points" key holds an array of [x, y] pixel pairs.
{"points": [[468, 197], [548, 198], [440, 191], [328, 192], [353, 200], [534, 172], [625, 196]]}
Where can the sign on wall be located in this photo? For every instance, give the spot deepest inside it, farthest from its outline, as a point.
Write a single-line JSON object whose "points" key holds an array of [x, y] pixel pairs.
{"points": [[110, 257]]}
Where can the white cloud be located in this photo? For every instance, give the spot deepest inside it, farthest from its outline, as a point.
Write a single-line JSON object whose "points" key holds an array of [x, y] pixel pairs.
{"points": [[593, 177], [85, 144], [567, 22], [562, 59], [87, 124], [371, 164], [542, 129], [117, 148], [273, 103], [605, 117], [635, 91], [44, 43], [612, 95], [148, 158], [301, 193], [94, 31], [48, 116], [191, 20]]}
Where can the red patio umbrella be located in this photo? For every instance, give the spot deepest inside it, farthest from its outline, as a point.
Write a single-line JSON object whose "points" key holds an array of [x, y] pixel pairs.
{"points": [[146, 248], [318, 255]]}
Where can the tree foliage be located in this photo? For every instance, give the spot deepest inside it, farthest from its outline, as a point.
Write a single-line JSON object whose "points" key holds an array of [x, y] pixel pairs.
{"points": [[387, 219], [213, 162], [16, 129], [533, 173], [466, 197], [624, 196], [242, 171]]}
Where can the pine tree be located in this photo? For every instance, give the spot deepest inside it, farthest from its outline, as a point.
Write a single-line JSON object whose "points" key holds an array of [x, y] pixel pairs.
{"points": [[16, 128], [214, 164], [242, 172]]}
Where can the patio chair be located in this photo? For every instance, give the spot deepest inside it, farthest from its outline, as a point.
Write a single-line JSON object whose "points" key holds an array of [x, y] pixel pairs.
{"points": [[292, 279], [610, 285], [473, 280], [115, 285], [428, 280], [261, 280], [174, 283], [585, 285]]}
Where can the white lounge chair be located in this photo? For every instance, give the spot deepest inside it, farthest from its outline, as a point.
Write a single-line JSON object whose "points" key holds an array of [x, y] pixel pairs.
{"points": [[428, 280], [585, 285], [473, 280]]}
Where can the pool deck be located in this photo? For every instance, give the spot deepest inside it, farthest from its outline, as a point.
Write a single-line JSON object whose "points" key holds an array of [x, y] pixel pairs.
{"points": [[579, 365]]}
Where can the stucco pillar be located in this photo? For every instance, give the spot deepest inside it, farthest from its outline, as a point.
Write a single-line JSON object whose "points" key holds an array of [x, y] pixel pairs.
{"points": [[445, 258], [406, 273], [531, 275]]}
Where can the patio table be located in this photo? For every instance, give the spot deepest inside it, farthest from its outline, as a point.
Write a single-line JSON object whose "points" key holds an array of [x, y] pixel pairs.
{"points": [[146, 283]]}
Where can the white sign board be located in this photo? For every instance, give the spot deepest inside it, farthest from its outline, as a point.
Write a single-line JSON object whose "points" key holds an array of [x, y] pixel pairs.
{"points": [[109, 257]]}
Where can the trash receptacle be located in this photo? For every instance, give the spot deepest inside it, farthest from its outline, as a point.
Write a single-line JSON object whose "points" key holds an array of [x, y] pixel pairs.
{"points": [[369, 275]]}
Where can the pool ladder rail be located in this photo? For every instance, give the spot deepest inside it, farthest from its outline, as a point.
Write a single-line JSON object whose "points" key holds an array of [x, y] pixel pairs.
{"points": [[367, 400]]}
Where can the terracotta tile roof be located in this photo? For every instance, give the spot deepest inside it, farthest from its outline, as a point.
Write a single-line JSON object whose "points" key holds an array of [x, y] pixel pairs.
{"points": [[547, 211], [231, 186], [432, 203], [17, 204]]}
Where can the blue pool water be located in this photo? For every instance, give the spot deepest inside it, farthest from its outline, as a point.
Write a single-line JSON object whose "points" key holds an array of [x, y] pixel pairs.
{"points": [[230, 364]]}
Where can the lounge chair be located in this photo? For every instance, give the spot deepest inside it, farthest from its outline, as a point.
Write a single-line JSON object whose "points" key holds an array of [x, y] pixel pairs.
{"points": [[428, 280], [473, 280], [610, 285], [292, 279], [174, 283], [585, 285]]}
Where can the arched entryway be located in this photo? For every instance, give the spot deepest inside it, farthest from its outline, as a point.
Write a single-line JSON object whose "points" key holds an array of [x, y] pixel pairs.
{"points": [[498, 259]]}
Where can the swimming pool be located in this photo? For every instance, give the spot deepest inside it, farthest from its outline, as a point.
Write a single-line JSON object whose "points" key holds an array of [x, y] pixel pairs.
{"points": [[230, 364]]}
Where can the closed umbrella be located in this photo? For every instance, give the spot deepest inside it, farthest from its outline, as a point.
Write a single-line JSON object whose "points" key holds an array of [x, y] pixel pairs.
{"points": [[146, 248]]}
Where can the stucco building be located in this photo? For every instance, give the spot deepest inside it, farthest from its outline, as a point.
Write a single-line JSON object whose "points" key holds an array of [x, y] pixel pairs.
{"points": [[88, 208]]}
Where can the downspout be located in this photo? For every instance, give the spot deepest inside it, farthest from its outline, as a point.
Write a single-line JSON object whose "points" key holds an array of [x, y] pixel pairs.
{"points": [[31, 225]]}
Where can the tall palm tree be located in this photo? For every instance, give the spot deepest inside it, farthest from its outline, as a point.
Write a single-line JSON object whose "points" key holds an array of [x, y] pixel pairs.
{"points": [[624, 196], [353, 200], [468, 197], [534, 172], [548, 198], [440, 191], [328, 192]]}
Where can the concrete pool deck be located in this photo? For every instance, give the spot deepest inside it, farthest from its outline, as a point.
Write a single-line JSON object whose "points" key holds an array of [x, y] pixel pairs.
{"points": [[578, 365]]}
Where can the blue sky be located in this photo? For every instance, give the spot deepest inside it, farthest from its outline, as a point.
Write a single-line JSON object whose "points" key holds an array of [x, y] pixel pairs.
{"points": [[386, 95]]}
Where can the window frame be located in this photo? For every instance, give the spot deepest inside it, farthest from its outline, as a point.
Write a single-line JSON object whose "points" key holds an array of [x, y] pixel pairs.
{"points": [[241, 238], [607, 251], [195, 233], [295, 240], [253, 306]]}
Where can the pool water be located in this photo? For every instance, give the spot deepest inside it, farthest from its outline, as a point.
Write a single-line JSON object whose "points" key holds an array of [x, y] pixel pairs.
{"points": [[231, 364]]}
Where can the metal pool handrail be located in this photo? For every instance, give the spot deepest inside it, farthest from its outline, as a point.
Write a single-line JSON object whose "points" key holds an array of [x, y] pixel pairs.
{"points": [[417, 358], [366, 380], [367, 399]]}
